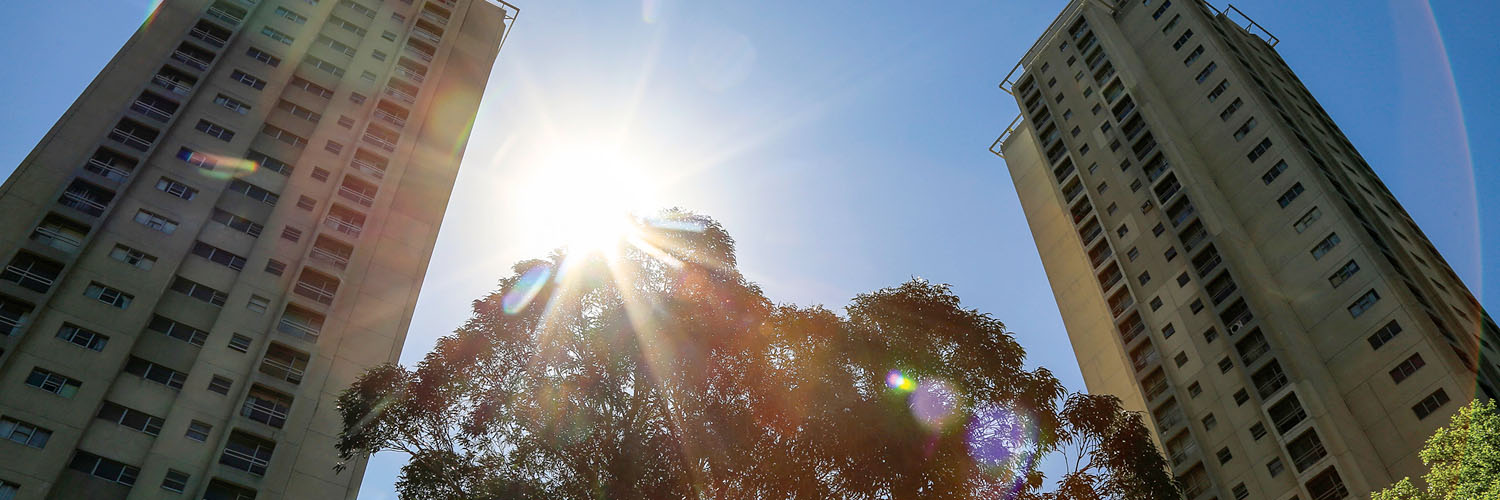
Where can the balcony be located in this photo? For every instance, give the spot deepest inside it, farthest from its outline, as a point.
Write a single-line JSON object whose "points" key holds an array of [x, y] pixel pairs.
{"points": [[221, 13], [208, 37], [129, 139], [1269, 380], [419, 53], [1119, 308], [329, 257], [150, 111], [313, 291], [1099, 254], [83, 202], [1156, 390], [300, 323], [1207, 261], [1237, 316], [410, 74], [284, 363], [1306, 450], [390, 118], [400, 96], [106, 170], [356, 196], [32, 272], [426, 35], [262, 408], [1150, 358], [380, 142], [349, 227], [1133, 332], [176, 87], [1108, 281], [190, 60], [1252, 348], [367, 168], [434, 17]]}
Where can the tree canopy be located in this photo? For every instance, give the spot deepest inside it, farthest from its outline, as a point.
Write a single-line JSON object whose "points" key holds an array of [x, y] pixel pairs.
{"points": [[659, 371], [1463, 459]]}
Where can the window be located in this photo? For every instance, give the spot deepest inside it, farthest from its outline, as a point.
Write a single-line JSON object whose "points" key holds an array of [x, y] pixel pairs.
{"points": [[1155, 303], [155, 373], [1307, 219], [356, 98], [367, 76], [333, 147], [1196, 306], [239, 343], [1213, 95], [220, 385], [1168, 331], [263, 56], [1111, 209], [1384, 334], [1274, 172], [1182, 279], [265, 161], [378, 55], [273, 34], [1209, 422], [245, 78], [1135, 185], [1230, 109], [32, 272], [1097, 108], [108, 295], [325, 66], [1171, 24], [1343, 274], [1207, 71], [1260, 149], [214, 130], [1084, 150], [218, 255], [283, 135], [1244, 129], [1170, 254], [1364, 303], [291, 234], [1192, 56], [388, 36], [24, 433], [284, 363], [232, 104], [254, 192], [298, 111], [1239, 490], [1225, 365], [237, 223], [290, 15], [1132, 254], [275, 267], [1161, 10], [1241, 397], [52, 382], [335, 45], [1257, 431], [104, 468], [311, 87], [1180, 359], [1050, 83], [1182, 40], [257, 304], [1224, 457], [83, 337], [319, 174], [1430, 404], [1291, 194], [346, 122], [198, 431], [1194, 390], [1325, 246], [1122, 230], [1407, 368], [1158, 229], [175, 188], [198, 291], [1274, 467], [1144, 278], [130, 418], [175, 481]]}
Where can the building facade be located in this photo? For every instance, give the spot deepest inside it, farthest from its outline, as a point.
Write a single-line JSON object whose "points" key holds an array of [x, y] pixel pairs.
{"points": [[1225, 260], [225, 229]]}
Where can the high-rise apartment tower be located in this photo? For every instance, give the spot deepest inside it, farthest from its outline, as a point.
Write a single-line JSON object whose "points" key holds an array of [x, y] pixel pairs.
{"points": [[1227, 262], [226, 228]]}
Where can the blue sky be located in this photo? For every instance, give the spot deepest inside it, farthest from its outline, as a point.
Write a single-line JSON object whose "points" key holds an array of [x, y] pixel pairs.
{"points": [[844, 143]]}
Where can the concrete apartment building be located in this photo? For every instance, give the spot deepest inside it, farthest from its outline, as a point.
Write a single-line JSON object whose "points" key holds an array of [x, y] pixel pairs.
{"points": [[1227, 262], [226, 228]]}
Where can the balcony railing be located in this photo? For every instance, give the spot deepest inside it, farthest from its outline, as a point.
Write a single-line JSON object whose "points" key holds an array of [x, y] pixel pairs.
{"points": [[1287, 422], [1254, 354], [1144, 361], [244, 461], [410, 74], [1309, 457], [281, 370], [30, 280], [334, 259], [265, 412], [1269, 387], [1181, 456], [368, 168], [321, 295], [82, 203], [106, 170], [128, 139], [1182, 217], [1209, 265], [1118, 309], [175, 86], [204, 35], [10, 325], [1169, 421], [380, 142], [1089, 236], [188, 59], [342, 226], [224, 15], [419, 53], [1156, 390], [296, 328], [425, 35], [56, 238], [1223, 294], [1097, 260], [356, 196], [400, 96], [1133, 332], [1110, 282], [150, 111], [434, 17], [390, 118]]}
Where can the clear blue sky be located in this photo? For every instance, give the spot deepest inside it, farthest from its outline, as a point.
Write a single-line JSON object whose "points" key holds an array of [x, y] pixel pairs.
{"points": [[844, 143]]}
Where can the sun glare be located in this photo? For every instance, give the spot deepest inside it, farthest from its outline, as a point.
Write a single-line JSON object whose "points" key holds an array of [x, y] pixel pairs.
{"points": [[585, 198]]}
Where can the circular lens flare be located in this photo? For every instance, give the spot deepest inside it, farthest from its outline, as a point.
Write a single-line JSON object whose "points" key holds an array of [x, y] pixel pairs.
{"points": [[933, 403], [1003, 441], [525, 290], [897, 381]]}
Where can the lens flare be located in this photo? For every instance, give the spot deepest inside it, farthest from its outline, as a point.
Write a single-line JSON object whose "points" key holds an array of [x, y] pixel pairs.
{"points": [[897, 381], [933, 403], [216, 166], [526, 288]]}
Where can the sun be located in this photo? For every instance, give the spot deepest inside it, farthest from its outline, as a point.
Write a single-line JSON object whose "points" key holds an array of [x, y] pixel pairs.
{"points": [[585, 198]]}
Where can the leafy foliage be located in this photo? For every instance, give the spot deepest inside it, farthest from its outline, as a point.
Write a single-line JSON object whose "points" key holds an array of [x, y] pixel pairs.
{"points": [[660, 372], [1463, 459]]}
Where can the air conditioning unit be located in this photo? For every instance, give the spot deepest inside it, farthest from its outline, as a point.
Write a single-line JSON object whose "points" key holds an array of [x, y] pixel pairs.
{"points": [[1235, 326]]}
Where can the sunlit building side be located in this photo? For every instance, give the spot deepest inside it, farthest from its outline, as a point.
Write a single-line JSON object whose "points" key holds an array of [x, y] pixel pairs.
{"points": [[1225, 261], [226, 228]]}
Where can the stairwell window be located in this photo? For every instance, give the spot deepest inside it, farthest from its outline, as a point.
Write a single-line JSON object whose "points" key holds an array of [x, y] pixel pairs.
{"points": [[1274, 172], [1323, 247], [214, 130], [1244, 129], [1430, 404], [1193, 56], [1407, 368], [1384, 334], [1290, 195], [1230, 109], [1343, 274], [1260, 150], [1307, 219], [1207, 71], [1364, 303], [1182, 40], [1213, 95]]}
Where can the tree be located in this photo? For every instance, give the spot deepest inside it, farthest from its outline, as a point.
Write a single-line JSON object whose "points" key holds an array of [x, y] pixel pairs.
{"points": [[1463, 459], [658, 371]]}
